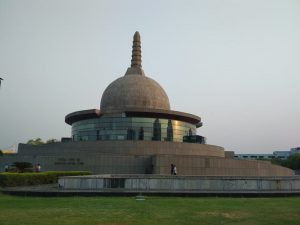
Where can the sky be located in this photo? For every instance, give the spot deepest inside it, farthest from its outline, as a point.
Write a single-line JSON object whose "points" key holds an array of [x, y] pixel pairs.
{"points": [[234, 63]]}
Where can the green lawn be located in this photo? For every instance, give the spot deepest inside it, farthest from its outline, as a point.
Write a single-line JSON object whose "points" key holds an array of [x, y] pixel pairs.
{"points": [[153, 210]]}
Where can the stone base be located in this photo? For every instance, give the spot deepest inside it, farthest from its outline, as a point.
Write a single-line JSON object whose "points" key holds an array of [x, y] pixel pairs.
{"points": [[141, 157], [180, 184]]}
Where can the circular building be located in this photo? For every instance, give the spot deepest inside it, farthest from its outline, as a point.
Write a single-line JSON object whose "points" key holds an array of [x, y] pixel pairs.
{"points": [[136, 132], [134, 107]]}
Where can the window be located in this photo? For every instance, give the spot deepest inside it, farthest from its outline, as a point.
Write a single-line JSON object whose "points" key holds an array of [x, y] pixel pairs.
{"points": [[132, 128]]}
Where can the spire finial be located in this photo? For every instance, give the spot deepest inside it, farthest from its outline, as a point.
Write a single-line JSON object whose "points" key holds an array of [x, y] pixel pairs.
{"points": [[136, 60]]}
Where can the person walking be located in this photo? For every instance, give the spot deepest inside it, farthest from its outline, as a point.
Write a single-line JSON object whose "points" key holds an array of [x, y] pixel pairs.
{"points": [[174, 170], [38, 168]]}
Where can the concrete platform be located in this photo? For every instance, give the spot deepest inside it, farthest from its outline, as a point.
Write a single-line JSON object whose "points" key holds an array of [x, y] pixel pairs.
{"points": [[179, 183], [132, 185]]}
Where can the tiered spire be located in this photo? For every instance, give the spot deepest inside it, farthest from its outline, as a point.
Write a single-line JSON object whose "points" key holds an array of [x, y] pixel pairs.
{"points": [[136, 57]]}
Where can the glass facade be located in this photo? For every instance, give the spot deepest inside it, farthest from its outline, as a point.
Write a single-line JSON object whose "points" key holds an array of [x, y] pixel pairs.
{"points": [[131, 128]]}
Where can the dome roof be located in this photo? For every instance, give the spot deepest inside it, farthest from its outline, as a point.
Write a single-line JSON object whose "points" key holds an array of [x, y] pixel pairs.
{"points": [[134, 90]]}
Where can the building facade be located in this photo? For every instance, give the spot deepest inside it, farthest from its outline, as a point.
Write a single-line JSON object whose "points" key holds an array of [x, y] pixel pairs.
{"points": [[276, 154], [136, 132]]}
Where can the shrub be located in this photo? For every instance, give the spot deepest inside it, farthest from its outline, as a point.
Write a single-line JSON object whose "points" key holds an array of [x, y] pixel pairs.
{"points": [[23, 166], [26, 179], [293, 162]]}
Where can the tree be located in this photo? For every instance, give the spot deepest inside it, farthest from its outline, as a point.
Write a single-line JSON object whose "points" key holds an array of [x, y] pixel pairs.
{"points": [[22, 166], [293, 162], [1, 153], [52, 140], [278, 161], [37, 141]]}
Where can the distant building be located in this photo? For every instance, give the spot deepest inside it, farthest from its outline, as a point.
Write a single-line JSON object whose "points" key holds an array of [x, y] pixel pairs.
{"points": [[276, 154], [295, 150], [254, 156], [282, 154]]}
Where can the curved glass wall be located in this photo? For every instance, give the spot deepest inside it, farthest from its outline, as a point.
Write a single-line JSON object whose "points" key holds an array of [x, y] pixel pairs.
{"points": [[131, 128]]}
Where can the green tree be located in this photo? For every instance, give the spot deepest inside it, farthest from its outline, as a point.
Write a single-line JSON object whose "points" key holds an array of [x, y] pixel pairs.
{"points": [[293, 161], [1, 153], [53, 140], [280, 162], [37, 141], [22, 166]]}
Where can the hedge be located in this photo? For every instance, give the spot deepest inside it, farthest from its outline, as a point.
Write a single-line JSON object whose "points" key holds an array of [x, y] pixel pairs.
{"points": [[8, 179]]}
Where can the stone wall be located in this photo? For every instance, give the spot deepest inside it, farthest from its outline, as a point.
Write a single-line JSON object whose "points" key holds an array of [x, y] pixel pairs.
{"points": [[96, 163], [204, 184], [123, 147], [104, 156], [140, 157], [195, 165]]}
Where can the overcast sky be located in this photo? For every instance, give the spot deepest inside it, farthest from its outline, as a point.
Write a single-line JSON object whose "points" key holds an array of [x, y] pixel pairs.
{"points": [[234, 63]]}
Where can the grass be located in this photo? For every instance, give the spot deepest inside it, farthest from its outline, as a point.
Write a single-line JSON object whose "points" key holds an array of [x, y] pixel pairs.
{"points": [[154, 210]]}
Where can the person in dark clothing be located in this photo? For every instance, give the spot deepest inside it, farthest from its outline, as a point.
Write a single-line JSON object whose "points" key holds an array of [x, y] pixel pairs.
{"points": [[172, 169]]}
